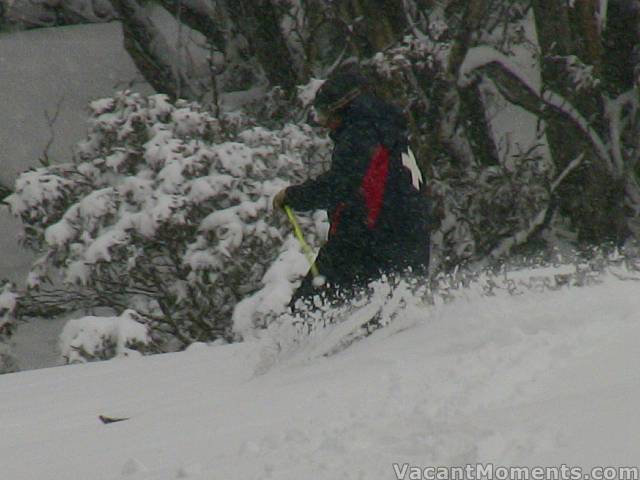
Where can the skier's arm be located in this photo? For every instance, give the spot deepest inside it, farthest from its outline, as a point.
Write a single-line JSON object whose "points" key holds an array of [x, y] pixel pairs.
{"points": [[338, 183], [314, 194]]}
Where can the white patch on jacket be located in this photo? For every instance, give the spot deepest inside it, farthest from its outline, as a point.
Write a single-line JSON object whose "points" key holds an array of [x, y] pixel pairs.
{"points": [[409, 161]]}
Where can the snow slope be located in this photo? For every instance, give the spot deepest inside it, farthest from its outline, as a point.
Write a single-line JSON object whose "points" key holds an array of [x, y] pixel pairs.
{"points": [[541, 378]]}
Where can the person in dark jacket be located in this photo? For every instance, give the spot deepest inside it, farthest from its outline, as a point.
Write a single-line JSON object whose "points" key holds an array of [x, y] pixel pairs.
{"points": [[379, 219]]}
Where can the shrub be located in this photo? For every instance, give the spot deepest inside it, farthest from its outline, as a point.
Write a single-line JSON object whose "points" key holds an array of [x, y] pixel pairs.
{"points": [[101, 338], [164, 210], [8, 301]]}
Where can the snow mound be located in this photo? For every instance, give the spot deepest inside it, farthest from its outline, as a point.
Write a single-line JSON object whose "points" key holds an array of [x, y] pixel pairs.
{"points": [[93, 337]]}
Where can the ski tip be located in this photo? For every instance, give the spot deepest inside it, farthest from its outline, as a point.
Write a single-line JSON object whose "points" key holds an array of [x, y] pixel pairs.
{"points": [[107, 420]]}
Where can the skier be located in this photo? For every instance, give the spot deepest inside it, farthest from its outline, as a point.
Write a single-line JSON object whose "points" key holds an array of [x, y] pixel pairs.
{"points": [[379, 219]]}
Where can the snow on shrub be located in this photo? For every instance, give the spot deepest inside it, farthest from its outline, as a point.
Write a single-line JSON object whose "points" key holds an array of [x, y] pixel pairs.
{"points": [[8, 302], [257, 311], [164, 209], [102, 338]]}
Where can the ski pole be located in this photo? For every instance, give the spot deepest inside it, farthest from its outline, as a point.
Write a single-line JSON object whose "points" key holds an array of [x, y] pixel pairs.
{"points": [[305, 246]]}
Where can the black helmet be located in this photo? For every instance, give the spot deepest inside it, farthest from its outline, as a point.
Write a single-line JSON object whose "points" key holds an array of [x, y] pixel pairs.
{"points": [[344, 85]]}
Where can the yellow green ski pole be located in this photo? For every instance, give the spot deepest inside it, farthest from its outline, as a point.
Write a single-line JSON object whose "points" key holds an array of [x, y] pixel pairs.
{"points": [[305, 246]]}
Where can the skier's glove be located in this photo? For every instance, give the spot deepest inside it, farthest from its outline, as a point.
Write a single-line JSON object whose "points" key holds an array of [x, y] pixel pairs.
{"points": [[280, 199]]}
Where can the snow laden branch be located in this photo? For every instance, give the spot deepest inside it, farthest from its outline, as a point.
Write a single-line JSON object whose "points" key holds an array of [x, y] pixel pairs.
{"points": [[519, 90]]}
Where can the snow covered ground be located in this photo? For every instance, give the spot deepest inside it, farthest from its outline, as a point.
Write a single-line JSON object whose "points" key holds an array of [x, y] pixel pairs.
{"points": [[541, 378]]}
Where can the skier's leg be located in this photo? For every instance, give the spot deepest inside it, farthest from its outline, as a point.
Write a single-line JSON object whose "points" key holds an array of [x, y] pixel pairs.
{"points": [[304, 293], [312, 288], [336, 275]]}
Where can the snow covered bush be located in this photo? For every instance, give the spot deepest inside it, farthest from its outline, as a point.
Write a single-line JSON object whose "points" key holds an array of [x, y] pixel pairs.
{"points": [[8, 303], [164, 210], [101, 338]]}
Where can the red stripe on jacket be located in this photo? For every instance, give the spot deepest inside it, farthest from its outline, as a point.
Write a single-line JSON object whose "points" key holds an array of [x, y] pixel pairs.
{"points": [[374, 184], [335, 218]]}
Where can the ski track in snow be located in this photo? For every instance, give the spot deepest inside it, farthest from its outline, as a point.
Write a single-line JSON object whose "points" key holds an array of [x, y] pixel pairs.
{"points": [[536, 379]]}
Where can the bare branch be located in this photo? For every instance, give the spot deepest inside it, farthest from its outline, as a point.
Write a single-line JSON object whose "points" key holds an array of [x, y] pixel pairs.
{"points": [[51, 121]]}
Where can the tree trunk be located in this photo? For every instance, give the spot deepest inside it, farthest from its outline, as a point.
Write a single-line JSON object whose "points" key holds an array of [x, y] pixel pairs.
{"points": [[621, 39], [201, 16], [258, 22], [469, 123], [151, 53], [384, 22]]}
